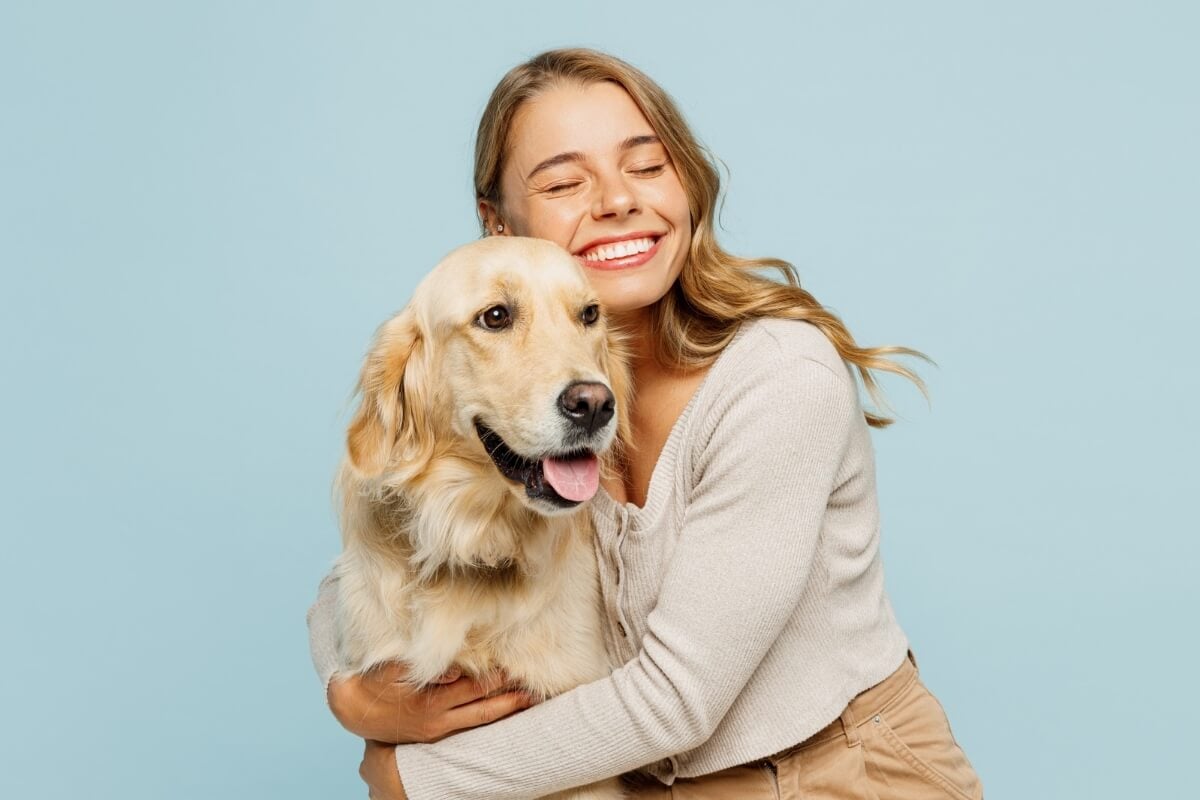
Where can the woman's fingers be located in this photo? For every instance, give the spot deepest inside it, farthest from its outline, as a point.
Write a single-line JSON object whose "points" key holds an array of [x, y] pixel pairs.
{"points": [[386, 673], [450, 675], [465, 690], [481, 712], [381, 705]]}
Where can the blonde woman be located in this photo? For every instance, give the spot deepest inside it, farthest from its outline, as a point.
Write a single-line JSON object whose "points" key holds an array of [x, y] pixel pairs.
{"points": [[740, 547]]}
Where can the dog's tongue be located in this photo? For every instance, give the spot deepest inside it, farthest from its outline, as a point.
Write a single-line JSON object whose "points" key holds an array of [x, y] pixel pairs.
{"points": [[574, 479]]}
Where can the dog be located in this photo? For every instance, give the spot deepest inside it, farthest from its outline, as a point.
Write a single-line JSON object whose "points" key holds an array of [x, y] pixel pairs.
{"points": [[487, 408]]}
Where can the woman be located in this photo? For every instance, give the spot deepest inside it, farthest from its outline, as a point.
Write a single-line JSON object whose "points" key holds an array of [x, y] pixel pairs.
{"points": [[740, 563]]}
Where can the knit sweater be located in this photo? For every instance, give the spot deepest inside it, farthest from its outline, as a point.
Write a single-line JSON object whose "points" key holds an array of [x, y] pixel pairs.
{"points": [[745, 599]]}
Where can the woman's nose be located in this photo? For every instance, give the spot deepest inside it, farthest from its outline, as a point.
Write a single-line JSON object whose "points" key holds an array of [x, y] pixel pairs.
{"points": [[614, 198]]}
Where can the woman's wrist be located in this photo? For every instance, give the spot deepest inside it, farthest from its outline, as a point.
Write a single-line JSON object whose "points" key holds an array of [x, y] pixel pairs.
{"points": [[379, 771]]}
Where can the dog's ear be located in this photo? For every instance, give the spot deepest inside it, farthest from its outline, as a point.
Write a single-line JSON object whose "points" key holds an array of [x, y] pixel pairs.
{"points": [[392, 419]]}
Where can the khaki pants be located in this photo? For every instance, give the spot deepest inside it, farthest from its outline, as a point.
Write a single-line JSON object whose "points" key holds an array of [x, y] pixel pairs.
{"points": [[893, 742]]}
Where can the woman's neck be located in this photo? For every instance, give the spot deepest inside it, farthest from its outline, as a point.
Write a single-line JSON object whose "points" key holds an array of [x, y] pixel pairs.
{"points": [[638, 329]]}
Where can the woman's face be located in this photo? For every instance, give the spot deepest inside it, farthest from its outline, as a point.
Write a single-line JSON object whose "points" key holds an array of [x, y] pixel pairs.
{"points": [[585, 170]]}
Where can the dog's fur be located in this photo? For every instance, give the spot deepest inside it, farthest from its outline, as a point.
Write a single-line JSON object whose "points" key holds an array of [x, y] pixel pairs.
{"points": [[445, 560]]}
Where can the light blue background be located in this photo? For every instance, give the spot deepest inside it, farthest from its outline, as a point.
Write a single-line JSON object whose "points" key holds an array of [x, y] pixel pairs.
{"points": [[206, 209]]}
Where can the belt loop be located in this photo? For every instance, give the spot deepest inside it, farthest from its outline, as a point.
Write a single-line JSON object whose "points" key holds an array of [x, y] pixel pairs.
{"points": [[850, 728]]}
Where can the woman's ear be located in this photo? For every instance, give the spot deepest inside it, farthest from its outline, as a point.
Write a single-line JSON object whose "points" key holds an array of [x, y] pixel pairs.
{"points": [[392, 412], [492, 220]]}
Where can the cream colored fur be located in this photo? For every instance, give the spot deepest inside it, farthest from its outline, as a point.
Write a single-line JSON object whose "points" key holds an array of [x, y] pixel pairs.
{"points": [[446, 561]]}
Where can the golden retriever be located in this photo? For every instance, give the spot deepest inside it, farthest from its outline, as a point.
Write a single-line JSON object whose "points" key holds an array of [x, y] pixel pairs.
{"points": [[486, 405]]}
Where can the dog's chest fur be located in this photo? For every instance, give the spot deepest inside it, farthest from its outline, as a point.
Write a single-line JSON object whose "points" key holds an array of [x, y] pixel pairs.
{"points": [[533, 612]]}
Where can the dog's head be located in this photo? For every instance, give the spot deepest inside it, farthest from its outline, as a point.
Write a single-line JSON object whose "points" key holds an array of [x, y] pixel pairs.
{"points": [[502, 371]]}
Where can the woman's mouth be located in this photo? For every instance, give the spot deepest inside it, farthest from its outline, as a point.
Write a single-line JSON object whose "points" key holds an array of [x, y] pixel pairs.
{"points": [[620, 255]]}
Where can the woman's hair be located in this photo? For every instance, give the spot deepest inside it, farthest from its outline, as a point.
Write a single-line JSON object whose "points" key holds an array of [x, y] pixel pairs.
{"points": [[716, 291]]}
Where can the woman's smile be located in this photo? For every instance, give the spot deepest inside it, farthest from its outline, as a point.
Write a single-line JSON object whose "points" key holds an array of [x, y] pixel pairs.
{"points": [[620, 252]]}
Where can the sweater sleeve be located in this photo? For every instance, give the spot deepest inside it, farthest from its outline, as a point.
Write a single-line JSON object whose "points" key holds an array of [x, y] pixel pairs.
{"points": [[770, 451], [322, 632]]}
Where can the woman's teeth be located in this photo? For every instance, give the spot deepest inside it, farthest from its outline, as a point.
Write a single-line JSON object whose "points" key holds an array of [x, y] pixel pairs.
{"points": [[607, 252]]}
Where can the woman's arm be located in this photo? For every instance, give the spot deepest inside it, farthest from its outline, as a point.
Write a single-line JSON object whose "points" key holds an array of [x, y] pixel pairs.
{"points": [[765, 473], [322, 630], [380, 706]]}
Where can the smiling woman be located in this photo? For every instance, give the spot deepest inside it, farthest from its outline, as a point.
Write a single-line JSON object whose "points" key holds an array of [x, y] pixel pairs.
{"points": [[606, 166], [738, 542]]}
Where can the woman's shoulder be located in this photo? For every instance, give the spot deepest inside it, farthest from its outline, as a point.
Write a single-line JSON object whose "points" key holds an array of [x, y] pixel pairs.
{"points": [[772, 368], [772, 342], [771, 363]]}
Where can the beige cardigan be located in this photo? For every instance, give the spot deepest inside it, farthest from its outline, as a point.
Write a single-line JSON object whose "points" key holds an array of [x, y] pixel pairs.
{"points": [[745, 599]]}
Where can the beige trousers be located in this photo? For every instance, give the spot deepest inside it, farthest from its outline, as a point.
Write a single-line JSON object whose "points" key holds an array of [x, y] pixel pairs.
{"points": [[893, 742]]}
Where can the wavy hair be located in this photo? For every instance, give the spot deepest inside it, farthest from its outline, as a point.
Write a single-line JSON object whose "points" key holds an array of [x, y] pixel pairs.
{"points": [[716, 290]]}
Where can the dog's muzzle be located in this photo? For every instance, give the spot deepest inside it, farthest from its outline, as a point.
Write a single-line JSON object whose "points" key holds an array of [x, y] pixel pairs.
{"points": [[563, 479]]}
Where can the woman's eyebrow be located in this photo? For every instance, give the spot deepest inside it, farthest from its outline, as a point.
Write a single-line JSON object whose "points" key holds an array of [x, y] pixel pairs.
{"points": [[638, 141], [554, 161], [575, 156]]}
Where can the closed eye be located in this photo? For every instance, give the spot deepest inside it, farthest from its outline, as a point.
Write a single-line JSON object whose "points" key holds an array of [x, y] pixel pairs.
{"points": [[560, 188], [650, 171]]}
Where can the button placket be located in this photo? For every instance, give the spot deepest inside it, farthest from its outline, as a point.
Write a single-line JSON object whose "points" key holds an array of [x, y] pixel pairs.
{"points": [[607, 529], [619, 611]]}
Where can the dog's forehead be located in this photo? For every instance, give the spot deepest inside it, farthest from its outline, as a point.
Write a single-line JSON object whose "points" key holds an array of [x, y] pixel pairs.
{"points": [[493, 268]]}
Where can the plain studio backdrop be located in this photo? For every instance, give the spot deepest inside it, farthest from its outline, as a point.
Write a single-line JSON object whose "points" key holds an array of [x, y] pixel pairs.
{"points": [[206, 209]]}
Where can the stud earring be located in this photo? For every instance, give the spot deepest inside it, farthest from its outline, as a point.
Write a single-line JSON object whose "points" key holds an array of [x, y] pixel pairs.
{"points": [[500, 228]]}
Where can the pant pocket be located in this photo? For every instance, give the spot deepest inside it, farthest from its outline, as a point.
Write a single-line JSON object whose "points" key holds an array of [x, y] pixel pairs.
{"points": [[910, 742], [831, 770]]}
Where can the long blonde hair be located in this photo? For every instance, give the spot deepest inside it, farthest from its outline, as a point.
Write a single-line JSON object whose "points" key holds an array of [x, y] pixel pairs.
{"points": [[716, 290]]}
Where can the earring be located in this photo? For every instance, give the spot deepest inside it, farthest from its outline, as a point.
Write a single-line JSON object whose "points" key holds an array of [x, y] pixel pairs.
{"points": [[500, 228]]}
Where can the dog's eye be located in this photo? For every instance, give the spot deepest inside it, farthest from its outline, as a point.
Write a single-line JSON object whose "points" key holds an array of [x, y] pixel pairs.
{"points": [[590, 315], [495, 318]]}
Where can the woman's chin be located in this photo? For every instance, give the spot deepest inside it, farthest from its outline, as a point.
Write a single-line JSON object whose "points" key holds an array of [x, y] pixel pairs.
{"points": [[623, 305], [623, 294]]}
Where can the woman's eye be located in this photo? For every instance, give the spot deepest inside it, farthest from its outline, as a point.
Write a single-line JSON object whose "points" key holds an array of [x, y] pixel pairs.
{"points": [[590, 315], [650, 171], [495, 318], [560, 188]]}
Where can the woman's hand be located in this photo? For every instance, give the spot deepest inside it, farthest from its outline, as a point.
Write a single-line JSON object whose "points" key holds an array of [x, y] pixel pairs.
{"points": [[378, 770], [380, 706]]}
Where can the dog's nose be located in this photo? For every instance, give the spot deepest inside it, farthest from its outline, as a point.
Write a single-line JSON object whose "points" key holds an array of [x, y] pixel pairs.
{"points": [[588, 405]]}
